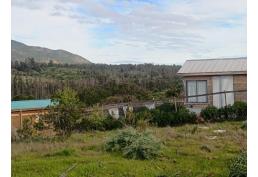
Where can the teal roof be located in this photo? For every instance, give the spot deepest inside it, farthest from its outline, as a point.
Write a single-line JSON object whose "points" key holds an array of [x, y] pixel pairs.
{"points": [[30, 104]]}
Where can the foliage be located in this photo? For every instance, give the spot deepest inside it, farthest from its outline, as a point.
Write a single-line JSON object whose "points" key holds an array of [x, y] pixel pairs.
{"points": [[176, 89], [134, 145], [97, 120], [110, 123], [22, 97], [95, 83], [39, 125], [238, 166], [210, 113], [165, 115], [183, 116], [64, 112], [26, 132], [238, 111]]}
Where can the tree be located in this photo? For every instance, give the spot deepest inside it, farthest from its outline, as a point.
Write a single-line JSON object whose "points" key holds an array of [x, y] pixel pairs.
{"points": [[175, 90], [64, 111]]}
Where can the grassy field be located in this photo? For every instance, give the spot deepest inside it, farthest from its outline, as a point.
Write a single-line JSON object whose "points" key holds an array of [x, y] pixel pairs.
{"points": [[189, 150]]}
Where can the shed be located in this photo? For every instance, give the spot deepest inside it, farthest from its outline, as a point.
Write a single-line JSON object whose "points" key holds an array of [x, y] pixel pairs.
{"points": [[210, 77]]}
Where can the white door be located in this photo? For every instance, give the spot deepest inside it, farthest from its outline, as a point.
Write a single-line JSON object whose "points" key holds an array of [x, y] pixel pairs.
{"points": [[216, 88], [221, 84]]}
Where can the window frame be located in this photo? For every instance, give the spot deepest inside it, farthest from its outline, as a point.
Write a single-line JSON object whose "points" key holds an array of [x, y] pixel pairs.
{"points": [[196, 90]]}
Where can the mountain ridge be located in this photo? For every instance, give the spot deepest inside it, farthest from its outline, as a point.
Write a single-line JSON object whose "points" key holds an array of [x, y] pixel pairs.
{"points": [[21, 51]]}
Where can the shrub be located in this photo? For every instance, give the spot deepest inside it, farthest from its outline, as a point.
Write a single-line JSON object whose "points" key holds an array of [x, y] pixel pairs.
{"points": [[143, 116], [210, 113], [39, 125], [161, 118], [99, 121], [26, 131], [134, 145], [166, 107], [238, 167], [226, 113], [240, 109], [110, 123], [121, 140], [184, 116], [165, 117]]}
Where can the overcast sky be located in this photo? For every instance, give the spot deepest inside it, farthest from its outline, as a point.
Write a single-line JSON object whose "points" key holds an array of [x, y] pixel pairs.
{"points": [[134, 31]]}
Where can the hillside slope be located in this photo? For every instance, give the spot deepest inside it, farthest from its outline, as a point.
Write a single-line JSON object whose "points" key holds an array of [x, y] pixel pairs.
{"points": [[22, 51]]}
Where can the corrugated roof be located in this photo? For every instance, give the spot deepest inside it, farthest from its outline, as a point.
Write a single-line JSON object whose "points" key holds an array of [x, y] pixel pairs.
{"points": [[30, 104], [214, 66]]}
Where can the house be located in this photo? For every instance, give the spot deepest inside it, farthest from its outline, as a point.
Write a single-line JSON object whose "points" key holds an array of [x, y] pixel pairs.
{"points": [[25, 109], [212, 76]]}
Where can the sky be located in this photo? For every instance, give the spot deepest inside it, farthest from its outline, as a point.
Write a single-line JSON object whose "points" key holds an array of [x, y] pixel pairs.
{"points": [[134, 31]]}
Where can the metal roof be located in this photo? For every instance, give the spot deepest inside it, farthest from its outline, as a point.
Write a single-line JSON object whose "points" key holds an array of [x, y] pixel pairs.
{"points": [[222, 66], [30, 104]]}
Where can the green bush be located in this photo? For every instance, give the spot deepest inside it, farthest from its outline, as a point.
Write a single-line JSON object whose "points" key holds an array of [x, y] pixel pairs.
{"points": [[166, 107], [240, 109], [165, 115], [226, 113], [238, 166], [184, 116], [100, 122], [110, 123], [134, 145], [210, 113]]}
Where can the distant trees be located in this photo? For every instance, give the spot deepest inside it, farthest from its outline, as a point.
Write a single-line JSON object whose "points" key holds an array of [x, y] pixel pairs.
{"points": [[94, 82]]}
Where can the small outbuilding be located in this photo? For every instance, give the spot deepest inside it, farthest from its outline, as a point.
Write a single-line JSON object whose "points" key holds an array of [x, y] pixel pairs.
{"points": [[208, 77]]}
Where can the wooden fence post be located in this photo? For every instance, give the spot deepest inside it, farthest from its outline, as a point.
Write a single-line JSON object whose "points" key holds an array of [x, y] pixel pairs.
{"points": [[20, 115], [225, 94]]}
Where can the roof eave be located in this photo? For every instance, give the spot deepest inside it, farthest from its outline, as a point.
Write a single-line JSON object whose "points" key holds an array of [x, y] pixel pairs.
{"points": [[213, 73]]}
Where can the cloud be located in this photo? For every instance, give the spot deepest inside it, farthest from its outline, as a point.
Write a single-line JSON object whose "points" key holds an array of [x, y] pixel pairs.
{"points": [[144, 30]]}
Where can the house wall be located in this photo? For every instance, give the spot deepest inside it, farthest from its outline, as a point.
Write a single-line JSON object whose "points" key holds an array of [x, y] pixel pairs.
{"points": [[209, 87], [17, 117], [240, 83]]}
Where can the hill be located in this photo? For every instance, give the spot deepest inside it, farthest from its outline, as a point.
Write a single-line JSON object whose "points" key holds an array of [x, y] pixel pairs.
{"points": [[22, 51]]}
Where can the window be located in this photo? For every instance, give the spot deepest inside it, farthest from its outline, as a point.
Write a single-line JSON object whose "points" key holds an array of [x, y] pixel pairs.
{"points": [[196, 87]]}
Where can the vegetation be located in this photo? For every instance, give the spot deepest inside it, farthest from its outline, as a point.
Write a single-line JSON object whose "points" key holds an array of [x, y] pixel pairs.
{"points": [[64, 112], [134, 145], [181, 154], [165, 115], [26, 132], [97, 120], [238, 167], [94, 83], [238, 111]]}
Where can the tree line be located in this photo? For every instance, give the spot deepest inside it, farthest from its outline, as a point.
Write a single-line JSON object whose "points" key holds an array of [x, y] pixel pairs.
{"points": [[94, 82]]}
